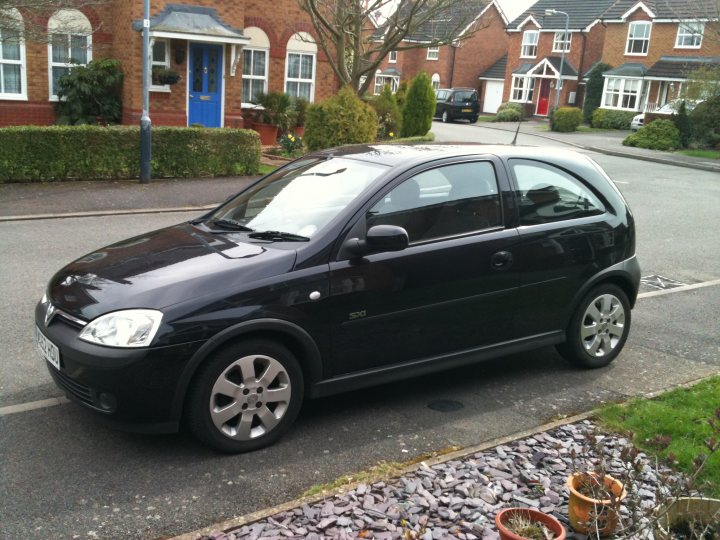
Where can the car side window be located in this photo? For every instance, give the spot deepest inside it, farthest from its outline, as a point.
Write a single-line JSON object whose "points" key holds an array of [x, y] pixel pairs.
{"points": [[550, 194], [441, 202], [442, 95]]}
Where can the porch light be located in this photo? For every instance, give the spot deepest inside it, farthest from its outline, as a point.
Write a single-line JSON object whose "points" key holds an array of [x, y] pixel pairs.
{"points": [[562, 53]]}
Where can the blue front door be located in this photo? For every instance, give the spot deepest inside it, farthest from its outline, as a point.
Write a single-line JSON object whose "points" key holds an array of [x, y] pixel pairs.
{"points": [[205, 100]]}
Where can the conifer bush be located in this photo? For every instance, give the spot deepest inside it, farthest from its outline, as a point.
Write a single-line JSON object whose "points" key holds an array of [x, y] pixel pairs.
{"points": [[419, 107]]}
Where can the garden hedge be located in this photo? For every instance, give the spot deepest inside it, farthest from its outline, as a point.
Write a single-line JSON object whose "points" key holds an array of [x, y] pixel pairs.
{"points": [[657, 135], [612, 119], [509, 112], [566, 119], [56, 153]]}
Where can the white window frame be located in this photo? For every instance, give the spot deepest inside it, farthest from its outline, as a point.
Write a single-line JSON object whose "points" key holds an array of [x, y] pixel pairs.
{"points": [[80, 23], [521, 90], [562, 41], [381, 80], [435, 81], [620, 89], [17, 96], [632, 39], [528, 46], [433, 53], [289, 79], [264, 76], [392, 57], [689, 30], [165, 64]]}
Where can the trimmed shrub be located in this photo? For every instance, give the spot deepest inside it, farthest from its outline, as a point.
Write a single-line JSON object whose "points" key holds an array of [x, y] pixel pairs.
{"points": [[566, 119], [90, 94], [682, 123], [401, 95], [509, 112], [705, 119], [33, 153], [657, 135], [611, 119], [594, 90], [340, 119], [419, 108], [388, 114]]}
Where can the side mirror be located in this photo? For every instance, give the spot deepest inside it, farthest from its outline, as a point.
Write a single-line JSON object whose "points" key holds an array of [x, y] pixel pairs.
{"points": [[379, 239]]}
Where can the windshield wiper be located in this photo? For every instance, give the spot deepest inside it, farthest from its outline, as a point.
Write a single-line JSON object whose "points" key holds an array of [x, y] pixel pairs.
{"points": [[324, 174], [278, 236], [230, 224]]}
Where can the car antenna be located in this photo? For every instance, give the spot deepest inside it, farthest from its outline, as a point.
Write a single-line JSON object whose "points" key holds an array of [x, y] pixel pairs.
{"points": [[516, 133]]}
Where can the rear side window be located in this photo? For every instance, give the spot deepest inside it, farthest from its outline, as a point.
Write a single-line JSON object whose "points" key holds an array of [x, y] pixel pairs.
{"points": [[550, 194], [442, 202], [442, 95]]}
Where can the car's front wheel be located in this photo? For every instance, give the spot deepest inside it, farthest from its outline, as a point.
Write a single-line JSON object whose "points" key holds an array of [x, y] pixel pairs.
{"points": [[599, 328], [246, 396]]}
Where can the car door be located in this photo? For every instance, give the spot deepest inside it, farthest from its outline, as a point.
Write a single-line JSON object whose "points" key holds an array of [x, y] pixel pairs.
{"points": [[448, 291], [563, 237], [440, 100]]}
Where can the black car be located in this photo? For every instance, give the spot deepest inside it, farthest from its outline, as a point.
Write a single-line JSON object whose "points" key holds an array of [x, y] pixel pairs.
{"points": [[346, 268], [454, 103]]}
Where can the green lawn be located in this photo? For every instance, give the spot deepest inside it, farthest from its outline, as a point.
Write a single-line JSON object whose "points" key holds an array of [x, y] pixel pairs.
{"points": [[707, 154], [680, 418]]}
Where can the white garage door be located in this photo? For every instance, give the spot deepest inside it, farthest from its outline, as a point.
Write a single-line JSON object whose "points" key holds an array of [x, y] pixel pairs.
{"points": [[493, 96]]}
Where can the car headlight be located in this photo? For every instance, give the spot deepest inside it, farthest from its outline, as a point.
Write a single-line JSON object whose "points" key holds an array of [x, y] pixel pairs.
{"points": [[129, 328]]}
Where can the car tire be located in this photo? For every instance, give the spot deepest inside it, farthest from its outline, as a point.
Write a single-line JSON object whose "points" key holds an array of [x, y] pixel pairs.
{"points": [[445, 117], [598, 328], [246, 396], [474, 119]]}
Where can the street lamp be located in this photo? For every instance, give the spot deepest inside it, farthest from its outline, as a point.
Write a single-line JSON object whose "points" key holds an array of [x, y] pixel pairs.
{"points": [[562, 54], [145, 123]]}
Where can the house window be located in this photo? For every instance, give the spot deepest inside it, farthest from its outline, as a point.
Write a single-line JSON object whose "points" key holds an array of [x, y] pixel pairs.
{"points": [[522, 89], [382, 80], [436, 81], [12, 63], [622, 93], [638, 40], [254, 74], [561, 42], [433, 53], [161, 60], [70, 45], [392, 58], [300, 66], [689, 35], [529, 44]]}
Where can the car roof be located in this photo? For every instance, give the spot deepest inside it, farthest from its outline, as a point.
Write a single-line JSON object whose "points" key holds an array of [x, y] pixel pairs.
{"points": [[393, 155]]}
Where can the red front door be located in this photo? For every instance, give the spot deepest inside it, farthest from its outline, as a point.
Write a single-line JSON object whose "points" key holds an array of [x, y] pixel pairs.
{"points": [[543, 98]]}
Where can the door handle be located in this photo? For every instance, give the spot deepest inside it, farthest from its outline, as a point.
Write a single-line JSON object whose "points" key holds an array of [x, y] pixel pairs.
{"points": [[192, 96], [502, 260]]}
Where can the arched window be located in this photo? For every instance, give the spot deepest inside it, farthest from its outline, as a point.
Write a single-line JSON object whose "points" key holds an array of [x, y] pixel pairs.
{"points": [[70, 44], [255, 63], [436, 81], [12, 57], [300, 66]]}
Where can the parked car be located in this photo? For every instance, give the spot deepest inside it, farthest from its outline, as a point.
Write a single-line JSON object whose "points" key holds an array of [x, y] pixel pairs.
{"points": [[454, 103], [668, 109], [345, 268]]}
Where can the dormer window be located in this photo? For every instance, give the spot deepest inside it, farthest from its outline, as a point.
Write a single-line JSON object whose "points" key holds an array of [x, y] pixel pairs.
{"points": [[529, 44], [561, 42], [689, 35], [638, 40]]}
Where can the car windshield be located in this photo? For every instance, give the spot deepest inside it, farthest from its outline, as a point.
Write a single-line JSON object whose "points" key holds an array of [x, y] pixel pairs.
{"points": [[299, 199]]}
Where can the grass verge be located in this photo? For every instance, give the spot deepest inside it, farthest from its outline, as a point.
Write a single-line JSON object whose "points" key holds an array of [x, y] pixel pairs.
{"points": [[266, 169], [674, 426], [707, 154]]}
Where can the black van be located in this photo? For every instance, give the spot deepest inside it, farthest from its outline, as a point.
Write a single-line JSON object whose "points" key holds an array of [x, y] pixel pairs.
{"points": [[454, 103]]}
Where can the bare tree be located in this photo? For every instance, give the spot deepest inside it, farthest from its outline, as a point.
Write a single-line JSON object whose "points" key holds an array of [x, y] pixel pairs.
{"points": [[28, 18], [356, 35]]}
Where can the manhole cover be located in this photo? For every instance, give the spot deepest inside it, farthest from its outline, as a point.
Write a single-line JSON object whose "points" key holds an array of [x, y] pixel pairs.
{"points": [[661, 283], [445, 405]]}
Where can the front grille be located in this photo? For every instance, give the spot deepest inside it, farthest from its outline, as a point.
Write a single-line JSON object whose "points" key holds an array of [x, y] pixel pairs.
{"points": [[81, 392]]}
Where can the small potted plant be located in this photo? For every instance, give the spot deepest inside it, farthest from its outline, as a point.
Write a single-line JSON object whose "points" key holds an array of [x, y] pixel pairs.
{"points": [[163, 76], [300, 105], [274, 113], [594, 503], [528, 524]]}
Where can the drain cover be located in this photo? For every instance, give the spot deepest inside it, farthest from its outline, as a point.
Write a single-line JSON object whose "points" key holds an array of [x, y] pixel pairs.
{"points": [[661, 283], [445, 405]]}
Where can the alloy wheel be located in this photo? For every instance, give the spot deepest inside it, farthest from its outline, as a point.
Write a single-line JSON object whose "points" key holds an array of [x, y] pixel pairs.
{"points": [[602, 325]]}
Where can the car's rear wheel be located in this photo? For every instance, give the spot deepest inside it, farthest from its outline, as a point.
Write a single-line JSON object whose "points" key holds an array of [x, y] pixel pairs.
{"points": [[598, 328], [445, 117], [473, 119], [246, 396]]}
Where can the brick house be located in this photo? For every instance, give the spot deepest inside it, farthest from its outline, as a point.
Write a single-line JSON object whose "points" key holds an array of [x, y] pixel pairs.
{"points": [[538, 45], [653, 46], [224, 51], [453, 65]]}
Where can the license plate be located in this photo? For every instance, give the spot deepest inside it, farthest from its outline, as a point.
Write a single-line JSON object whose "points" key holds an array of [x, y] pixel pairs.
{"points": [[47, 349], [467, 110]]}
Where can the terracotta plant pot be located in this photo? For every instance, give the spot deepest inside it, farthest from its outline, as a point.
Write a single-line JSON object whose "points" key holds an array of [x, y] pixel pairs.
{"points": [[268, 133], [503, 516], [704, 511], [299, 131], [585, 512]]}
